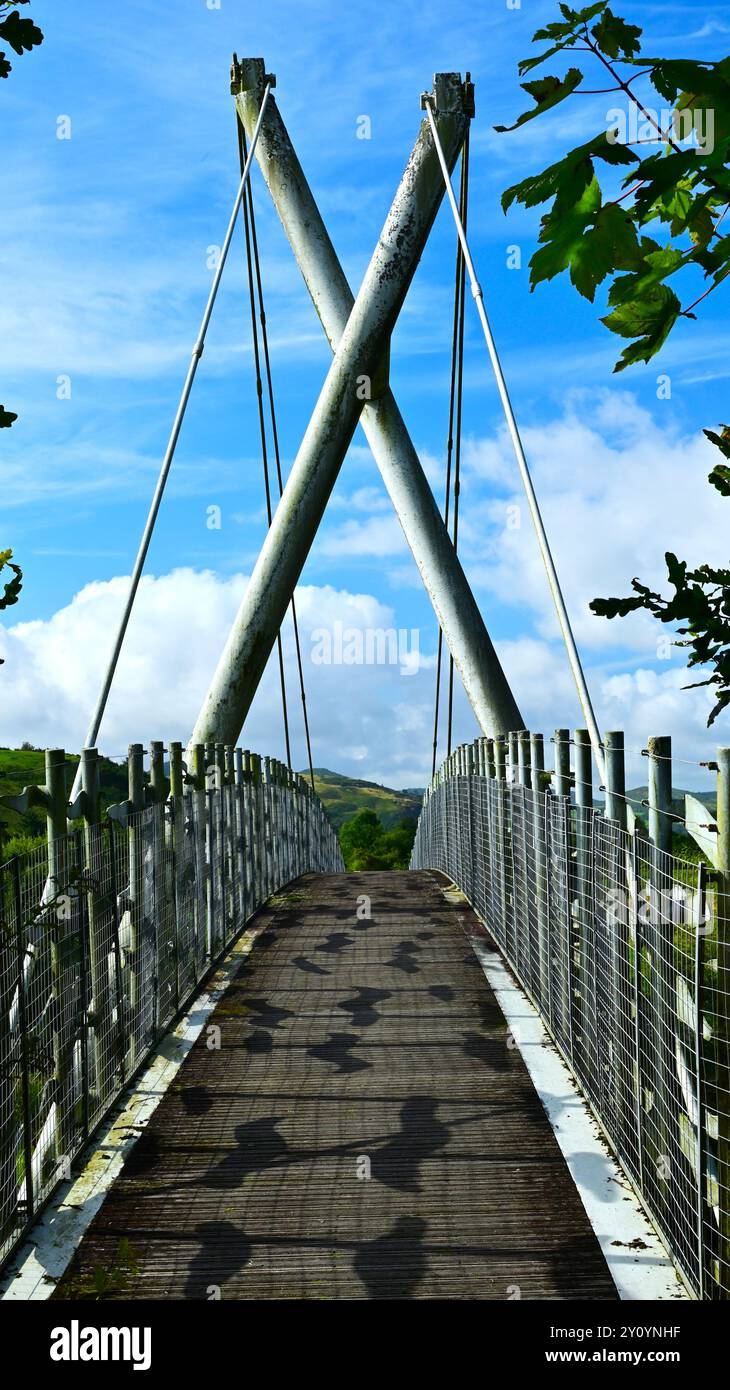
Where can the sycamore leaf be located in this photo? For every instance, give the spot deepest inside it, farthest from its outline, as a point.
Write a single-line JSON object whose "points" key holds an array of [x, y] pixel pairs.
{"points": [[563, 239], [649, 319], [671, 76], [7, 417], [615, 607], [21, 34], [720, 475], [574, 19], [5, 66], [590, 240], [567, 179], [713, 259], [614, 36], [11, 590], [659, 174], [722, 441], [546, 92], [655, 266]]}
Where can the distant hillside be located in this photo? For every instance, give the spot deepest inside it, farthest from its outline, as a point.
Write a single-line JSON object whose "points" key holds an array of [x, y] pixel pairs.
{"points": [[25, 767], [345, 796], [637, 795]]}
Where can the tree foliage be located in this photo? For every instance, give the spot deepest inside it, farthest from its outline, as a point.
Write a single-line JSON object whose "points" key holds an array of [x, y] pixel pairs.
{"points": [[645, 245], [18, 32], [366, 844], [10, 590]]}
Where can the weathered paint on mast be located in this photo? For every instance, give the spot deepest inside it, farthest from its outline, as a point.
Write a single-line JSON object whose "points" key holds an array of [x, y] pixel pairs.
{"points": [[333, 422], [455, 606]]}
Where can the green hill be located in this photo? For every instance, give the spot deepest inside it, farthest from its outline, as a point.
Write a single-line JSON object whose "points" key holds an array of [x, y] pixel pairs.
{"points": [[345, 796], [25, 767]]}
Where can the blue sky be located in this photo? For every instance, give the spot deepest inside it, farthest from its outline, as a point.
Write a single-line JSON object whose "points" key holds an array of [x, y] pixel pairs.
{"points": [[106, 239]]}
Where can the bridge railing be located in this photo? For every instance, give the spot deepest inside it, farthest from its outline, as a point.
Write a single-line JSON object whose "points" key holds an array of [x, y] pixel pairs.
{"points": [[107, 930], [624, 949]]}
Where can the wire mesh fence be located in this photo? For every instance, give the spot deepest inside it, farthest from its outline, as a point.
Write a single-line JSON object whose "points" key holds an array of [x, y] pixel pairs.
{"points": [[624, 950], [106, 932]]}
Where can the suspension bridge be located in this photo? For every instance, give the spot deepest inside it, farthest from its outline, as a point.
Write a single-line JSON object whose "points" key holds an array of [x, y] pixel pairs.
{"points": [[356, 1117]]}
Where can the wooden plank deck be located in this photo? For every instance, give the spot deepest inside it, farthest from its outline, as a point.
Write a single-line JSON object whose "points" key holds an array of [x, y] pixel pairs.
{"points": [[346, 1042]]}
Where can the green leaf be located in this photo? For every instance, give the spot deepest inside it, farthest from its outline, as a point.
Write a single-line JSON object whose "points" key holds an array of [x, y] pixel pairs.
{"points": [[12, 589], [660, 174], [655, 266], [714, 259], [720, 478], [615, 36], [567, 179], [722, 441], [21, 34], [649, 319], [5, 66], [720, 475], [546, 92], [671, 76], [564, 240], [615, 607], [7, 418], [574, 18], [676, 570], [590, 240]]}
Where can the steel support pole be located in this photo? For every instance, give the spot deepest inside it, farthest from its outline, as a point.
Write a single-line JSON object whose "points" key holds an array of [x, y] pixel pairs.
{"points": [[330, 430], [456, 610]]}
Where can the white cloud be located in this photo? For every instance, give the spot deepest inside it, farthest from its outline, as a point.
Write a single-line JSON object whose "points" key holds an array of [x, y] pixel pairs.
{"points": [[616, 490], [376, 537], [370, 720], [363, 718]]}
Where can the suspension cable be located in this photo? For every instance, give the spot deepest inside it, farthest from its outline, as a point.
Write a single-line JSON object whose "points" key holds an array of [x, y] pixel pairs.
{"points": [[275, 441], [553, 581], [144, 545], [458, 310], [459, 399], [247, 204]]}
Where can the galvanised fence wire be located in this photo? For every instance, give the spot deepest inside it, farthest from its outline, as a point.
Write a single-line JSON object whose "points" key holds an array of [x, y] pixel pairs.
{"points": [[624, 949], [107, 931]]}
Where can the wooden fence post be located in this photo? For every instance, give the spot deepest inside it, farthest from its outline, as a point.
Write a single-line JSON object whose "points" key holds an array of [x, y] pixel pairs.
{"points": [[181, 915], [540, 842], [585, 925], [137, 981], [61, 945], [100, 1019], [618, 1071], [664, 1114], [199, 818], [240, 802]]}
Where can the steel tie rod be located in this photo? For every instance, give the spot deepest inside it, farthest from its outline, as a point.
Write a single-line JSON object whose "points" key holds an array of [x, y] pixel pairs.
{"points": [[543, 542], [169, 453]]}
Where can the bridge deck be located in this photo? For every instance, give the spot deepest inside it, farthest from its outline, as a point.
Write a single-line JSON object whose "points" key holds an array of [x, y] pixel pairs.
{"points": [[346, 1040]]}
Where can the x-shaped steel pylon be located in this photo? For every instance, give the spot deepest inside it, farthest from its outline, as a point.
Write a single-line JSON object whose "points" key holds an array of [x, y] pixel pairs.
{"points": [[359, 332]]}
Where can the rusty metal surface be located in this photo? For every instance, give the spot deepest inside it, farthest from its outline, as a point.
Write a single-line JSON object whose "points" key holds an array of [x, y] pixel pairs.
{"points": [[348, 1042]]}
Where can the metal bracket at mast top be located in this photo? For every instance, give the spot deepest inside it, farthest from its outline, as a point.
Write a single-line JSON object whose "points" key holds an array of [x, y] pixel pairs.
{"points": [[443, 97], [249, 75]]}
